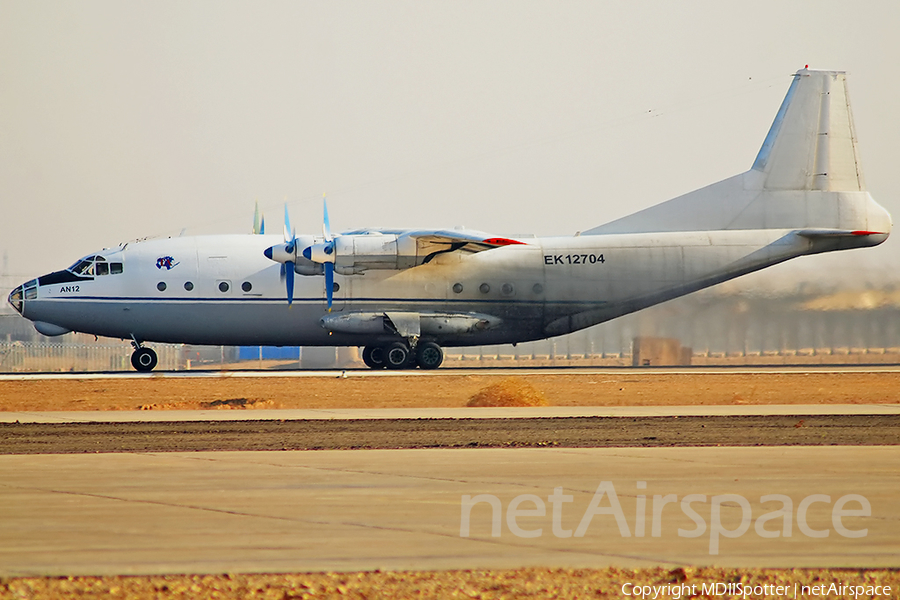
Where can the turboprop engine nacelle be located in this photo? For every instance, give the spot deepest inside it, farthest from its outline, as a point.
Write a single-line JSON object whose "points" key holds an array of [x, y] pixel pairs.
{"points": [[354, 254]]}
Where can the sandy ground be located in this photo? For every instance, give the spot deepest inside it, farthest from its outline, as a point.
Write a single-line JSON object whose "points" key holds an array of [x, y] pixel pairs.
{"points": [[571, 432], [447, 391], [523, 583]]}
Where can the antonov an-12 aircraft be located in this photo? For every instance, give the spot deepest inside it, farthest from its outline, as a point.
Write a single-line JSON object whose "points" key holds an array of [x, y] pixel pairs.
{"points": [[405, 294]]}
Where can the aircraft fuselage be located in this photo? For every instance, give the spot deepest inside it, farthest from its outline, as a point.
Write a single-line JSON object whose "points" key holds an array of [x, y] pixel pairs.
{"points": [[222, 290]]}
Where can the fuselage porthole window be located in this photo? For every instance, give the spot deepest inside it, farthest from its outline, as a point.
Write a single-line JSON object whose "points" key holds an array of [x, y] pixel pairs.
{"points": [[188, 286], [161, 286], [246, 286], [335, 287], [484, 288], [223, 286], [457, 288]]}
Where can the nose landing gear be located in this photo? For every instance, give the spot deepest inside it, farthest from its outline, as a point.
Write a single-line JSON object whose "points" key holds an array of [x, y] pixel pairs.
{"points": [[399, 355], [143, 359]]}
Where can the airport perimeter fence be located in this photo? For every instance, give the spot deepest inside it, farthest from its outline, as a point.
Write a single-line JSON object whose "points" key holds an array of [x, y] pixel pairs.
{"points": [[23, 357], [89, 356]]}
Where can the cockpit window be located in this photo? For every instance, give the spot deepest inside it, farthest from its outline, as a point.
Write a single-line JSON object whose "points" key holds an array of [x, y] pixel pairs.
{"points": [[83, 267], [80, 261], [95, 265]]}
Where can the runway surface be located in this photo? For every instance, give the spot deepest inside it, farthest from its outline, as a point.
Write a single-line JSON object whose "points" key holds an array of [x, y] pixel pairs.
{"points": [[229, 512], [455, 372]]}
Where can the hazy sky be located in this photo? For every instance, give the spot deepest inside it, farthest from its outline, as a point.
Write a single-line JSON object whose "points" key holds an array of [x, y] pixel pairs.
{"points": [[121, 120]]}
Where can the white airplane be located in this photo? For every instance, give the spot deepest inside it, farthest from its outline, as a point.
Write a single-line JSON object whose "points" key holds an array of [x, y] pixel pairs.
{"points": [[405, 294]]}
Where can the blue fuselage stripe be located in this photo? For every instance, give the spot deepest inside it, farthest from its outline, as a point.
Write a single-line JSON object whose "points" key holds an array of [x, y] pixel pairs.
{"points": [[343, 301]]}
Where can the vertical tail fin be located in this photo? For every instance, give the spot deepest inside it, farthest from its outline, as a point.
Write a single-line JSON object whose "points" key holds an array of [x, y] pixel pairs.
{"points": [[812, 143]]}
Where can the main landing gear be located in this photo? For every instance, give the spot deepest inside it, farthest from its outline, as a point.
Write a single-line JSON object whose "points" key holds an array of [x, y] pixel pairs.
{"points": [[143, 359], [399, 355]]}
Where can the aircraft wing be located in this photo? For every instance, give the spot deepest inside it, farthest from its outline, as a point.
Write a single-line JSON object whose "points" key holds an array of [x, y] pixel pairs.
{"points": [[431, 242]]}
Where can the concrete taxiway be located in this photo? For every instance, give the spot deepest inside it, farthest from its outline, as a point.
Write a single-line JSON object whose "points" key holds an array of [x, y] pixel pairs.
{"points": [[223, 512], [130, 416]]}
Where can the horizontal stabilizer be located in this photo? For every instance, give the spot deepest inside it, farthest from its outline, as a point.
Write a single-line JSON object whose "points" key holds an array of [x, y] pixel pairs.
{"points": [[835, 233]]}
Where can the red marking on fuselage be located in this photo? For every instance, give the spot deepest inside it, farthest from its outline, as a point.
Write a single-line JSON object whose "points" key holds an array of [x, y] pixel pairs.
{"points": [[866, 232]]}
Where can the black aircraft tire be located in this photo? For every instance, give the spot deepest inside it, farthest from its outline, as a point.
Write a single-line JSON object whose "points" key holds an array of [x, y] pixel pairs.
{"points": [[373, 356], [396, 355], [429, 355], [144, 360]]}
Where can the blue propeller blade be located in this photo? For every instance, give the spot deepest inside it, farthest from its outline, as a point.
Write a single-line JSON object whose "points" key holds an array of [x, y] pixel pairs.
{"points": [[287, 268], [329, 283], [289, 281], [326, 226], [288, 234]]}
